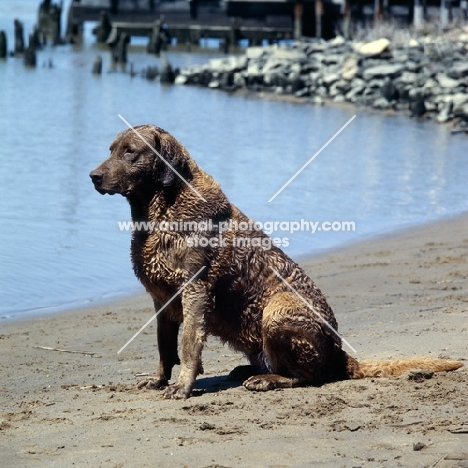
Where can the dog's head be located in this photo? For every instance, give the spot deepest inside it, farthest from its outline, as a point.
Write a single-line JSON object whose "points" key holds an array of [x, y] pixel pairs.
{"points": [[143, 161]]}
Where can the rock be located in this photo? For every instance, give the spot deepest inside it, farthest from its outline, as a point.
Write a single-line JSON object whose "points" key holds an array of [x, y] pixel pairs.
{"points": [[337, 41], [229, 64], [354, 92], [151, 73], [413, 43], [358, 82], [254, 52], [332, 59], [296, 83], [431, 83], [273, 65], [408, 77], [374, 48], [462, 112], [322, 92], [412, 66], [330, 78], [381, 103], [417, 109], [350, 67], [226, 81], [239, 80], [458, 100], [418, 446], [315, 47], [292, 55], [317, 100], [343, 86], [389, 91], [302, 92], [430, 106], [97, 65], [446, 82], [339, 98], [376, 83], [458, 70], [181, 80], [389, 70], [295, 68]]}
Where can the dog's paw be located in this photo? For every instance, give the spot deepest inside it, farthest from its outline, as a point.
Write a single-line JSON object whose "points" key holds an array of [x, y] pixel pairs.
{"points": [[176, 392], [153, 383], [263, 383]]}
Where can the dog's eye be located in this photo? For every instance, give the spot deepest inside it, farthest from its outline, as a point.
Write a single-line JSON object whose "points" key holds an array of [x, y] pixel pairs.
{"points": [[130, 156]]}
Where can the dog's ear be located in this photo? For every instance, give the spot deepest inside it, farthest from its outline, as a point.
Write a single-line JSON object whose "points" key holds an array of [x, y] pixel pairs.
{"points": [[173, 155]]}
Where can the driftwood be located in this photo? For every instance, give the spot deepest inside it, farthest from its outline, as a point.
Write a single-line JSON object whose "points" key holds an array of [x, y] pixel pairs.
{"points": [[47, 348]]}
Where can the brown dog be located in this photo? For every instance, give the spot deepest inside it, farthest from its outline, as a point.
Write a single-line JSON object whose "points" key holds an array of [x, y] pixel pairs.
{"points": [[236, 284]]}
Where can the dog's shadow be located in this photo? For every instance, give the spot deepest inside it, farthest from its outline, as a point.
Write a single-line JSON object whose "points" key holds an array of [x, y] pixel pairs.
{"points": [[222, 382]]}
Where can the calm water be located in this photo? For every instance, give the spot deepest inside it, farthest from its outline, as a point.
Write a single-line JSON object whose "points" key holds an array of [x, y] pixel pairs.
{"points": [[60, 244]]}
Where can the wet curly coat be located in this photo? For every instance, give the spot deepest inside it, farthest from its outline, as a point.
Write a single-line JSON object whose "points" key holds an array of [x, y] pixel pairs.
{"points": [[237, 296]]}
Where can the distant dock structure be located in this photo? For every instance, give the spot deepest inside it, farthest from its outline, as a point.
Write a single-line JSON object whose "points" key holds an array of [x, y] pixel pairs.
{"points": [[190, 21]]}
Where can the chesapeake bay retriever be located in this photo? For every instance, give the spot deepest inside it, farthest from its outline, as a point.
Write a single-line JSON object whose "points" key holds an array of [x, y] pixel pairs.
{"points": [[236, 284]]}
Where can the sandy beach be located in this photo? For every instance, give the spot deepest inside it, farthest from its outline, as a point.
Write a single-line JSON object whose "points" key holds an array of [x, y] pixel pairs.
{"points": [[397, 296]]}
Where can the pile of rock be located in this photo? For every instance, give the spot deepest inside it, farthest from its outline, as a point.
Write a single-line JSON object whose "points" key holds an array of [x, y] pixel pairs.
{"points": [[419, 78]]}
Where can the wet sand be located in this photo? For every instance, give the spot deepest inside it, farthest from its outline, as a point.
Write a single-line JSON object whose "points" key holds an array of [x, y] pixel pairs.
{"points": [[397, 296]]}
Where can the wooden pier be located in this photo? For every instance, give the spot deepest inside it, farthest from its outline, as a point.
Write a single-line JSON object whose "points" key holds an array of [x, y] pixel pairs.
{"points": [[271, 20]]}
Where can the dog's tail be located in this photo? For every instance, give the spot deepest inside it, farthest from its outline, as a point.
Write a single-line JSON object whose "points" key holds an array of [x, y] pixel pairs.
{"points": [[395, 367]]}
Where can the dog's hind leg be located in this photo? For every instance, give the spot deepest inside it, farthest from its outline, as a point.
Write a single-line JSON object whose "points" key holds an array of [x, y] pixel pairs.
{"points": [[297, 350]]}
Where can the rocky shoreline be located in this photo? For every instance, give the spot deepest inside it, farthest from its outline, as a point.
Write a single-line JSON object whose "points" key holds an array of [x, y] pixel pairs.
{"points": [[421, 78]]}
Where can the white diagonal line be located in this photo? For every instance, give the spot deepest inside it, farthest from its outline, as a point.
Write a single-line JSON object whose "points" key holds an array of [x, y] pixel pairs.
{"points": [[312, 158], [312, 309], [193, 189], [160, 310]]}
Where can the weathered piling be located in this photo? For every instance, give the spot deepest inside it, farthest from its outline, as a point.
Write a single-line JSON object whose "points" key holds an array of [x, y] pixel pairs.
{"points": [[156, 40], [104, 29], [167, 73], [118, 47], [97, 65], [49, 22], [122, 48], [29, 57], [19, 37], [3, 45], [35, 39]]}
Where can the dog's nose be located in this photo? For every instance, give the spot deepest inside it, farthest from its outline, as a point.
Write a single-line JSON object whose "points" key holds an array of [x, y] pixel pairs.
{"points": [[96, 176]]}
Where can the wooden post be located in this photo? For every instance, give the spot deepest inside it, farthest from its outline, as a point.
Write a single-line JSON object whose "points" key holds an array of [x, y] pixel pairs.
{"points": [[318, 18], [377, 11], [234, 33], [464, 8], [3, 45], [298, 12], [19, 38], [418, 16], [444, 14], [347, 20]]}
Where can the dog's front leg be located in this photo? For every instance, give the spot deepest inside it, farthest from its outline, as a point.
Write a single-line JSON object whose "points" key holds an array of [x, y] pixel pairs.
{"points": [[195, 303], [168, 329]]}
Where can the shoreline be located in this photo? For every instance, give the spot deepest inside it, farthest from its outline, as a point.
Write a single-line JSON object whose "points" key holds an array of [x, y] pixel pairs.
{"points": [[300, 259], [400, 295], [424, 77]]}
